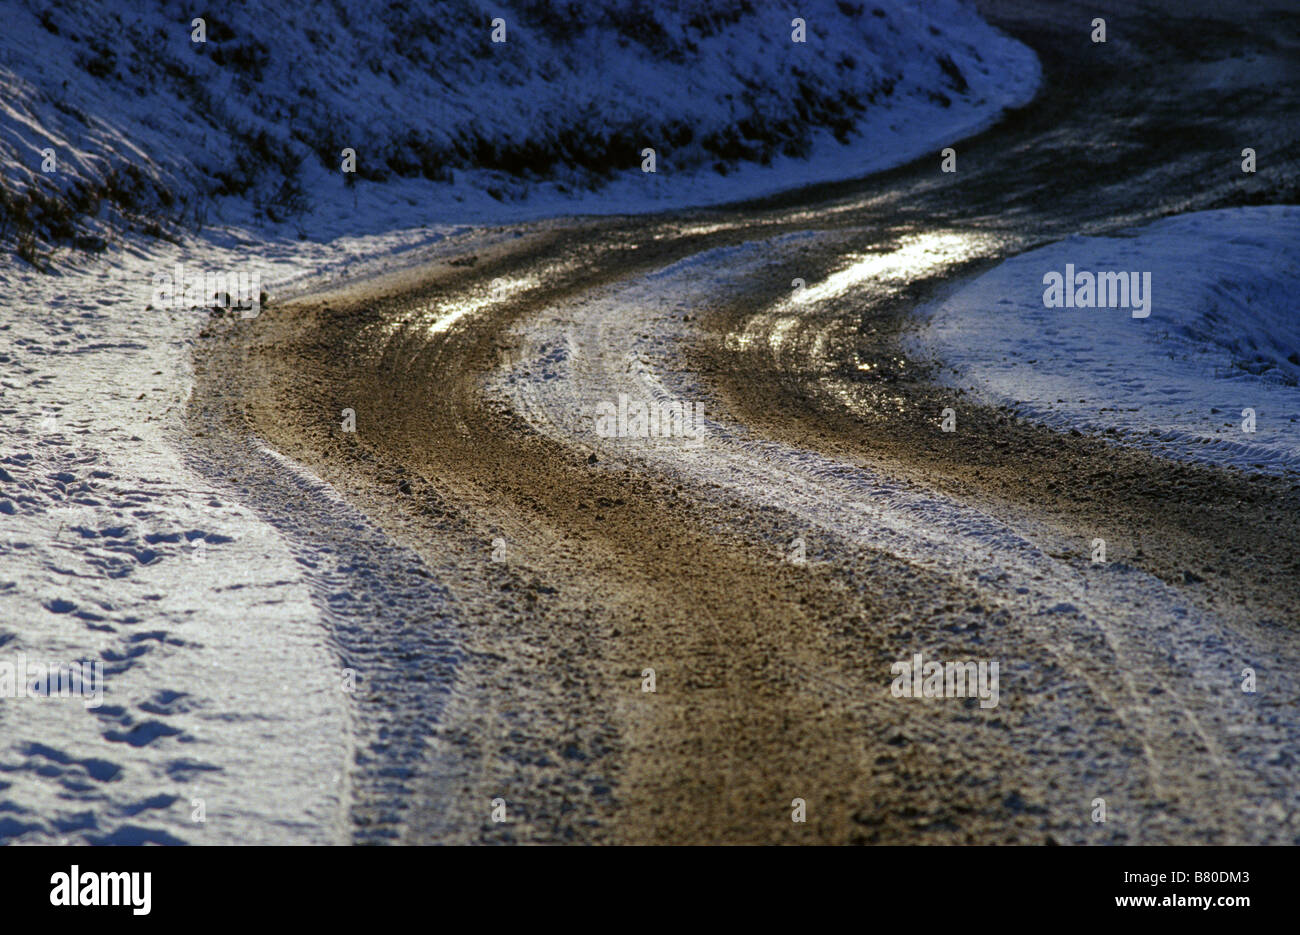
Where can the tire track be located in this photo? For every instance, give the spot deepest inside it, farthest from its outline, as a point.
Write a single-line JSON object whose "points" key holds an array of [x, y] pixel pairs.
{"points": [[582, 355], [774, 677]]}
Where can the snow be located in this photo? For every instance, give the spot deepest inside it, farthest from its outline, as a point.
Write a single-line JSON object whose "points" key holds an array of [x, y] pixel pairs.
{"points": [[1223, 336], [221, 679], [220, 683], [449, 127], [627, 339]]}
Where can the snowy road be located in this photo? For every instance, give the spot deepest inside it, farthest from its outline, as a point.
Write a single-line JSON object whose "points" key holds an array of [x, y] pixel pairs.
{"points": [[768, 577], [658, 639]]}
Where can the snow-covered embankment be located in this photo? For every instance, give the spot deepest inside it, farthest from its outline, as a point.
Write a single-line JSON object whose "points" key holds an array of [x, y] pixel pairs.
{"points": [[1207, 367]]}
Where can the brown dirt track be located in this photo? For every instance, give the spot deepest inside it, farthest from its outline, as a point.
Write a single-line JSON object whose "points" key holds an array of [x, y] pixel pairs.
{"points": [[772, 679]]}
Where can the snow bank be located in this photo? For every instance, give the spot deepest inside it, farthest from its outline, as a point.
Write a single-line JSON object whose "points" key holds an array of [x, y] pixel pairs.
{"points": [[449, 126], [1223, 336], [221, 696]]}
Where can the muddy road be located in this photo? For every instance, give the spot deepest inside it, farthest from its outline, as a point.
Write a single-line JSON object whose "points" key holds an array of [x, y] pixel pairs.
{"points": [[504, 579]]}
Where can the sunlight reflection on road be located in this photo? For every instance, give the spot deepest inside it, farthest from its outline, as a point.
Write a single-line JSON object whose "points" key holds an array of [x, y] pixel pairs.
{"points": [[913, 257], [916, 256], [498, 290]]}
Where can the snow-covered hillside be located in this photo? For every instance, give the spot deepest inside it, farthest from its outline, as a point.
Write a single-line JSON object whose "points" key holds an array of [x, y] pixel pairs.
{"points": [[1221, 338], [148, 126]]}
